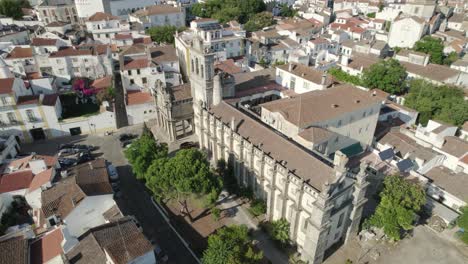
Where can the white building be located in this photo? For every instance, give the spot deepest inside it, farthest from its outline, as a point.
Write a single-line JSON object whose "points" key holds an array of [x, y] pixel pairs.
{"points": [[21, 60], [338, 118], [159, 15], [140, 107], [224, 43], [301, 78], [82, 207], [121, 8], [14, 34], [105, 27], [57, 11], [405, 31]]}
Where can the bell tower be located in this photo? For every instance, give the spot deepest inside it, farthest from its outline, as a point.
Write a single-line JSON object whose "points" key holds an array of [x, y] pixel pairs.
{"points": [[201, 72]]}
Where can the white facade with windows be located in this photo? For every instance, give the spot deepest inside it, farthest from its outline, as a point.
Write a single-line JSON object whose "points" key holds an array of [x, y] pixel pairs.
{"points": [[159, 15]]}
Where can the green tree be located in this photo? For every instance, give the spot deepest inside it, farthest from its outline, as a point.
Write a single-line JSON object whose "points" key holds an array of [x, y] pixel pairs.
{"points": [[188, 172], [433, 47], [163, 34], [451, 58], [371, 15], [280, 230], [226, 10], [442, 102], [231, 245], [462, 222], [261, 20], [400, 201], [216, 213], [342, 76], [12, 8], [107, 94], [387, 75], [143, 152], [287, 11]]}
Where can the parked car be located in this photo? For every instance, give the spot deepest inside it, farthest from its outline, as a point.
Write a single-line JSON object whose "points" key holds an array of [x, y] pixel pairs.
{"points": [[160, 255], [125, 143], [113, 175], [67, 151], [189, 145], [66, 146], [66, 162], [84, 147], [84, 157], [126, 136]]}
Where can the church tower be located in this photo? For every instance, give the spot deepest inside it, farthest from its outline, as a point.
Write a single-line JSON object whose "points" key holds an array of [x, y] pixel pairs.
{"points": [[201, 72]]}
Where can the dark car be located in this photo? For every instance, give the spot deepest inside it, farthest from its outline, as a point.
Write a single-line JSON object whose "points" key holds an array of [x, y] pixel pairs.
{"points": [[160, 255], [66, 146], [189, 145], [125, 143], [84, 157], [84, 147], [126, 137], [66, 162]]}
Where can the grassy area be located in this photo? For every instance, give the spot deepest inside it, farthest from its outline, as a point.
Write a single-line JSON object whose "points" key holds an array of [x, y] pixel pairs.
{"points": [[70, 109]]}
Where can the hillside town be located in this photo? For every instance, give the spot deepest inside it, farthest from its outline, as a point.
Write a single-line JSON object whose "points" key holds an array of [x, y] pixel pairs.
{"points": [[233, 131]]}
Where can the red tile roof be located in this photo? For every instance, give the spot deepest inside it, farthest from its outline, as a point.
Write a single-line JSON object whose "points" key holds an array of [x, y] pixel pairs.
{"points": [[123, 36], [43, 42], [100, 16], [102, 83], [15, 181], [136, 64], [19, 53], [70, 51], [47, 247], [40, 179], [6, 85], [135, 97]]}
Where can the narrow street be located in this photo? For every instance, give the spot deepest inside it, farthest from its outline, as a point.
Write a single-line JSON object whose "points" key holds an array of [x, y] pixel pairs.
{"points": [[135, 200]]}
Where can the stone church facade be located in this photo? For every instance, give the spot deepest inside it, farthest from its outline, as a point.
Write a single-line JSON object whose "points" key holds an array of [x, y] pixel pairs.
{"points": [[321, 199]]}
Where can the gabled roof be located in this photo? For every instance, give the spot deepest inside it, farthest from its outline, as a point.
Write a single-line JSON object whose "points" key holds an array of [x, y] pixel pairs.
{"points": [[100, 16], [6, 85], [455, 146], [308, 108], [137, 97], [122, 240], [87, 179], [14, 250], [47, 247], [15, 181], [431, 71], [20, 53], [43, 42], [161, 54], [157, 10], [296, 159], [41, 178], [307, 73]]}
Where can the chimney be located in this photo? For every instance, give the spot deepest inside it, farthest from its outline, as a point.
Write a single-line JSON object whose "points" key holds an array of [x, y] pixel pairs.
{"points": [[217, 89], [334, 106], [41, 98], [324, 80], [233, 123], [290, 67], [374, 93]]}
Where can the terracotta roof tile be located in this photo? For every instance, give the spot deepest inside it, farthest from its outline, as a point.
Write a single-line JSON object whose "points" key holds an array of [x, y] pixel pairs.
{"points": [[315, 106], [307, 73], [228, 66], [15, 181], [137, 97], [455, 146], [182, 92], [139, 63], [19, 53], [121, 240], [6, 85], [43, 42], [157, 10], [161, 54], [316, 135], [100, 16], [454, 183], [435, 72], [70, 51], [14, 251], [47, 247], [41, 179], [300, 162]]}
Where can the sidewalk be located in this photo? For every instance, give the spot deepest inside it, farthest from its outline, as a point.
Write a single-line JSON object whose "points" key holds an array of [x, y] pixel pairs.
{"points": [[238, 216]]}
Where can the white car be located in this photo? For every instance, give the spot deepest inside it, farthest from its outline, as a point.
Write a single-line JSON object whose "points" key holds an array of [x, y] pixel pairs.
{"points": [[113, 175]]}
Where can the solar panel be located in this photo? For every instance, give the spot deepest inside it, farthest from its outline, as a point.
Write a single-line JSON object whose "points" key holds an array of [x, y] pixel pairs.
{"points": [[386, 154]]}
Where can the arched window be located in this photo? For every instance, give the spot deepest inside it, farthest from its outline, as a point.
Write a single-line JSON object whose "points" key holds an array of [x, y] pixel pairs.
{"points": [[192, 66], [202, 71], [196, 66]]}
